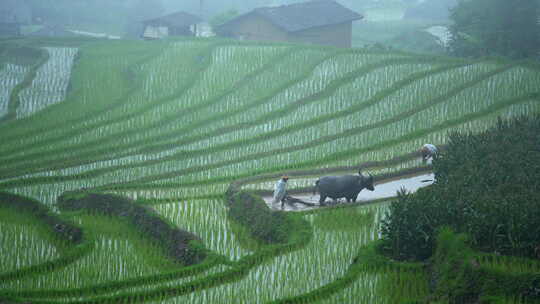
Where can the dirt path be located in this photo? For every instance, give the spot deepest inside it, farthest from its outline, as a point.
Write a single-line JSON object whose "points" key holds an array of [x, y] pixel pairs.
{"points": [[382, 190]]}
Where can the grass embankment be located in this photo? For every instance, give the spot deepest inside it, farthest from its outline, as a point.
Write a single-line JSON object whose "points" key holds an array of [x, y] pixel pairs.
{"points": [[182, 246], [67, 237]]}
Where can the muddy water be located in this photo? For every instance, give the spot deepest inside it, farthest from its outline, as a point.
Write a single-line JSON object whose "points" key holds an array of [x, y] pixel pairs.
{"points": [[383, 190]]}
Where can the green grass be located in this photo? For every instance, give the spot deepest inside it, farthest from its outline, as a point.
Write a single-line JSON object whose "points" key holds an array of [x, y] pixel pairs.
{"points": [[119, 253], [27, 241]]}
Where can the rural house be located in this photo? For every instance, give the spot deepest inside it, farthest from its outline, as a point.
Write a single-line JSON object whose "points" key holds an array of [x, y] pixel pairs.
{"points": [[322, 22], [177, 24]]}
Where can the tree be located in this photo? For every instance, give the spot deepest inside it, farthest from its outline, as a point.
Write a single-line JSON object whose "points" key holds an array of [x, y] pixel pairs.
{"points": [[495, 28]]}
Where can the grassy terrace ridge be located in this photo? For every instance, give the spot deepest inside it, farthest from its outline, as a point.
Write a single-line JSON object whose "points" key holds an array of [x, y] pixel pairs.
{"points": [[68, 238], [191, 132], [183, 246]]}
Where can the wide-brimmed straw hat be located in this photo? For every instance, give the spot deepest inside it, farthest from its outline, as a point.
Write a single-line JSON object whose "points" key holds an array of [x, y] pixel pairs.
{"points": [[285, 177]]}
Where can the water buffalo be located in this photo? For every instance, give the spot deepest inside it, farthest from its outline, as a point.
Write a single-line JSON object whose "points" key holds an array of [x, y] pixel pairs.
{"points": [[347, 186]]}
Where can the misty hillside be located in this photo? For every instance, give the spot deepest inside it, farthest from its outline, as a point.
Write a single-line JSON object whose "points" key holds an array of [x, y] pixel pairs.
{"points": [[269, 151], [171, 125]]}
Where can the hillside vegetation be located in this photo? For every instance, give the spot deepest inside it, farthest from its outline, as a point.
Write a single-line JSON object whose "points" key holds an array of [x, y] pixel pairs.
{"points": [[171, 124], [486, 187]]}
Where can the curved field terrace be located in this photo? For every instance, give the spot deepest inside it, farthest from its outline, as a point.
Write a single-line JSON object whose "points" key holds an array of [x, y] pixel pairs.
{"points": [[172, 145]]}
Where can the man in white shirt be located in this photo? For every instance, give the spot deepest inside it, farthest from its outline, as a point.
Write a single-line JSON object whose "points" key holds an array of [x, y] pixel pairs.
{"points": [[280, 190], [428, 151]]}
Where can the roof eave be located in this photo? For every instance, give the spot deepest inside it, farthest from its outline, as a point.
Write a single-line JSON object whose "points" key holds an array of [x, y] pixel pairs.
{"points": [[256, 12], [327, 24]]}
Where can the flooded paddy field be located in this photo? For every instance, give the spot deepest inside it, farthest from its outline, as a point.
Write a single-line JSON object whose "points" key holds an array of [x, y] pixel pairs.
{"points": [[172, 125], [383, 190]]}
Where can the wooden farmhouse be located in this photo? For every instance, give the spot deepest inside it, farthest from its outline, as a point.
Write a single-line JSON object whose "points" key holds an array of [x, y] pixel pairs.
{"points": [[177, 24], [322, 22]]}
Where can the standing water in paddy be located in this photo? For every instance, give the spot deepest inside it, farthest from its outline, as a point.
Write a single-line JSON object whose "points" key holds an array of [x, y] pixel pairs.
{"points": [[387, 189]]}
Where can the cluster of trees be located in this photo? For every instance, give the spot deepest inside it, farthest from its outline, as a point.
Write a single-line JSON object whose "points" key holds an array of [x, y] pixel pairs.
{"points": [[496, 28], [486, 186]]}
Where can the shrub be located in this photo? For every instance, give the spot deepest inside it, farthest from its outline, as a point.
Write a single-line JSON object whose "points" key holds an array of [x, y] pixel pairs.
{"points": [[62, 229], [486, 186], [183, 246], [460, 276], [264, 224]]}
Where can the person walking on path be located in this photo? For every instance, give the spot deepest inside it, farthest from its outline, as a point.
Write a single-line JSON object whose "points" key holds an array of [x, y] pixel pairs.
{"points": [[428, 151], [280, 190]]}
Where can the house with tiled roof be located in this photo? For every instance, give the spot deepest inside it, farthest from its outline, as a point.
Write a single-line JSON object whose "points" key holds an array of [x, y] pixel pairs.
{"points": [[321, 22]]}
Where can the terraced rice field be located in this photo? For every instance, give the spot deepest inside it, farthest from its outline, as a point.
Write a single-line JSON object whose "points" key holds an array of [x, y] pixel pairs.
{"points": [[172, 124]]}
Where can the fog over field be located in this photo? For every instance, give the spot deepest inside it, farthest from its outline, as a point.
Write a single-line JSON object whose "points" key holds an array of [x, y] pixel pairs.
{"points": [[269, 151], [100, 10], [410, 25]]}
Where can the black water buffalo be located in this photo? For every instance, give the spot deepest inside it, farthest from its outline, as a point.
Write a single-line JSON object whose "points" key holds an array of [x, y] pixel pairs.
{"points": [[347, 186]]}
